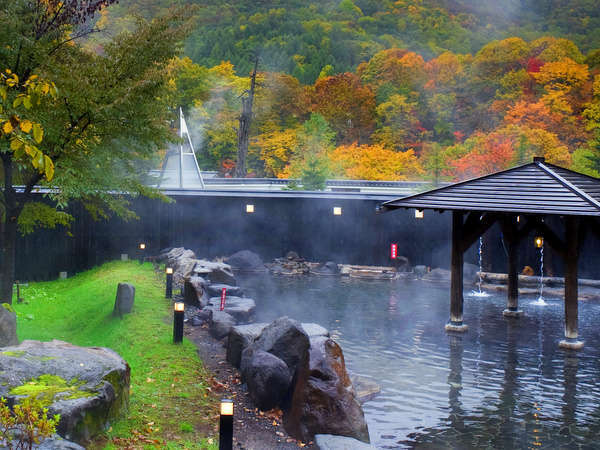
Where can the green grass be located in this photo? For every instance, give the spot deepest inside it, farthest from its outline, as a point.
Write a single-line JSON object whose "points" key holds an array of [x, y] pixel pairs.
{"points": [[170, 394]]}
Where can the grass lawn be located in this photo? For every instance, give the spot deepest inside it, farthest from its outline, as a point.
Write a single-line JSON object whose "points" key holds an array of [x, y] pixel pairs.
{"points": [[171, 404]]}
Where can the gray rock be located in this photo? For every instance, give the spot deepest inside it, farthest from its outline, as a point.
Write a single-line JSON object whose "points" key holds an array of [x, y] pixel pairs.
{"points": [[194, 291], [92, 391], [420, 271], [332, 442], [437, 274], [214, 290], [240, 337], [241, 308], [267, 377], [365, 388], [315, 330], [328, 268], [8, 327], [215, 272], [57, 443], [286, 339], [221, 324], [324, 401], [125, 299], [246, 261], [201, 317]]}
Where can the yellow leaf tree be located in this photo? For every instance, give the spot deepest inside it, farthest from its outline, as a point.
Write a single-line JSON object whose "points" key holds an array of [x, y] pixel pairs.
{"points": [[375, 162]]}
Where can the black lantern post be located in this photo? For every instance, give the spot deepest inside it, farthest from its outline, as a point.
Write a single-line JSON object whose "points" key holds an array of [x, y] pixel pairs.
{"points": [[178, 312], [226, 425], [169, 286]]}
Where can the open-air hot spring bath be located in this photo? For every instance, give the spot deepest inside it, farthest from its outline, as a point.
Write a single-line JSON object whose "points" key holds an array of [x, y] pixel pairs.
{"points": [[505, 383]]}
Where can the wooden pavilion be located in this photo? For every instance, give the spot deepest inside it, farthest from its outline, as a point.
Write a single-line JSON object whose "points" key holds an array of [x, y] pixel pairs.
{"points": [[518, 199]]}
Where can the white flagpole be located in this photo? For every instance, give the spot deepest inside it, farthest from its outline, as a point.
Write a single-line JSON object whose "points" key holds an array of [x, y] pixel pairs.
{"points": [[180, 148]]}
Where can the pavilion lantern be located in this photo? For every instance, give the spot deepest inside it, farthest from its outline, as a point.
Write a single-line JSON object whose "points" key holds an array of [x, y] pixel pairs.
{"points": [[538, 241]]}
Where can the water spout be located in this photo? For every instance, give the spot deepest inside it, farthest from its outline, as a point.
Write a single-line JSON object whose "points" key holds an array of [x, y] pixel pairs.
{"points": [[540, 300], [479, 292]]}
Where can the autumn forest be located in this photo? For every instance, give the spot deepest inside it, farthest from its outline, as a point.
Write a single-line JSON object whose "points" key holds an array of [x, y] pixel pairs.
{"points": [[404, 90]]}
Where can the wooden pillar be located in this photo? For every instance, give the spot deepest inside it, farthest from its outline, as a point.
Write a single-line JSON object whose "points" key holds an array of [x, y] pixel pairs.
{"points": [[572, 229], [509, 229], [456, 275]]}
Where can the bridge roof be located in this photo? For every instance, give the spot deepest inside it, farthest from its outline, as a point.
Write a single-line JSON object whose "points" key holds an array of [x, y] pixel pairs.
{"points": [[534, 188]]}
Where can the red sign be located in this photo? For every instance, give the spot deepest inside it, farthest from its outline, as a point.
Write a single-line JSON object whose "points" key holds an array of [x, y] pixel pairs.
{"points": [[223, 295], [394, 251]]}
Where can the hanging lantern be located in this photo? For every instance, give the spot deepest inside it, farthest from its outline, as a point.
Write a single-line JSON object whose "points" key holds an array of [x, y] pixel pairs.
{"points": [[538, 241]]}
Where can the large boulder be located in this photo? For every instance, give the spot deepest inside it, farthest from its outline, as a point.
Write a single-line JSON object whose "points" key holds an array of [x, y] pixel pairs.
{"points": [[221, 324], [195, 292], [315, 330], [215, 290], [324, 401], [87, 386], [241, 308], [8, 326], [286, 339], [240, 337], [246, 261], [267, 377], [124, 299], [215, 272]]}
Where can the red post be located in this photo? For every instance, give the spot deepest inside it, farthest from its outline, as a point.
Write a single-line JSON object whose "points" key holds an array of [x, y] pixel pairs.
{"points": [[394, 251], [223, 295]]}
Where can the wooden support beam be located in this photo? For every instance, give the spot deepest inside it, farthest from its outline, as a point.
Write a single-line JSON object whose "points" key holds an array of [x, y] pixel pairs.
{"points": [[476, 224], [456, 274], [511, 239], [550, 237], [572, 231]]}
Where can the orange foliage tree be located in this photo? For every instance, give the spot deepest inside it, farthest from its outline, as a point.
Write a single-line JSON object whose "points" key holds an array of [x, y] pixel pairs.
{"points": [[347, 105]]}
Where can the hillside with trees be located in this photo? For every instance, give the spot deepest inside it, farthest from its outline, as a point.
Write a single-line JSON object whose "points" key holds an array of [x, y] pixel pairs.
{"points": [[407, 89]]}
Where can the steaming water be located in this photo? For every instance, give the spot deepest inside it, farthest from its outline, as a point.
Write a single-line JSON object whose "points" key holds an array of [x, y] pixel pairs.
{"points": [[505, 383]]}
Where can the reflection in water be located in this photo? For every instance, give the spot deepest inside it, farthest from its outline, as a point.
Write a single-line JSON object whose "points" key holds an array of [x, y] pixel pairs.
{"points": [[505, 383]]}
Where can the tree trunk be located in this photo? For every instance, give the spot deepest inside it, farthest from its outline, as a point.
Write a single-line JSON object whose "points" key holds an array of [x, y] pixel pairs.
{"points": [[8, 231], [244, 128], [7, 271]]}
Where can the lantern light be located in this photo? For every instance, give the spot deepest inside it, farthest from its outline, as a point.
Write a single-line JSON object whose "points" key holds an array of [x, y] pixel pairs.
{"points": [[337, 210], [179, 306], [142, 246], [249, 208], [169, 271], [226, 425], [419, 214], [539, 241], [226, 407]]}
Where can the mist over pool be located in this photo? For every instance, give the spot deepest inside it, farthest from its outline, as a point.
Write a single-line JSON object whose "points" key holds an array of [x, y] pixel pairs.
{"points": [[504, 383]]}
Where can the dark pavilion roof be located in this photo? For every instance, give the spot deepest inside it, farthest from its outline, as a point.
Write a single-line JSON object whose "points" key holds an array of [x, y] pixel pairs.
{"points": [[534, 188]]}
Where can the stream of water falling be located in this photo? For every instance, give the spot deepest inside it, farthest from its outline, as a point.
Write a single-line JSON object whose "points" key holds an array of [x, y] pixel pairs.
{"points": [[540, 300], [479, 292]]}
